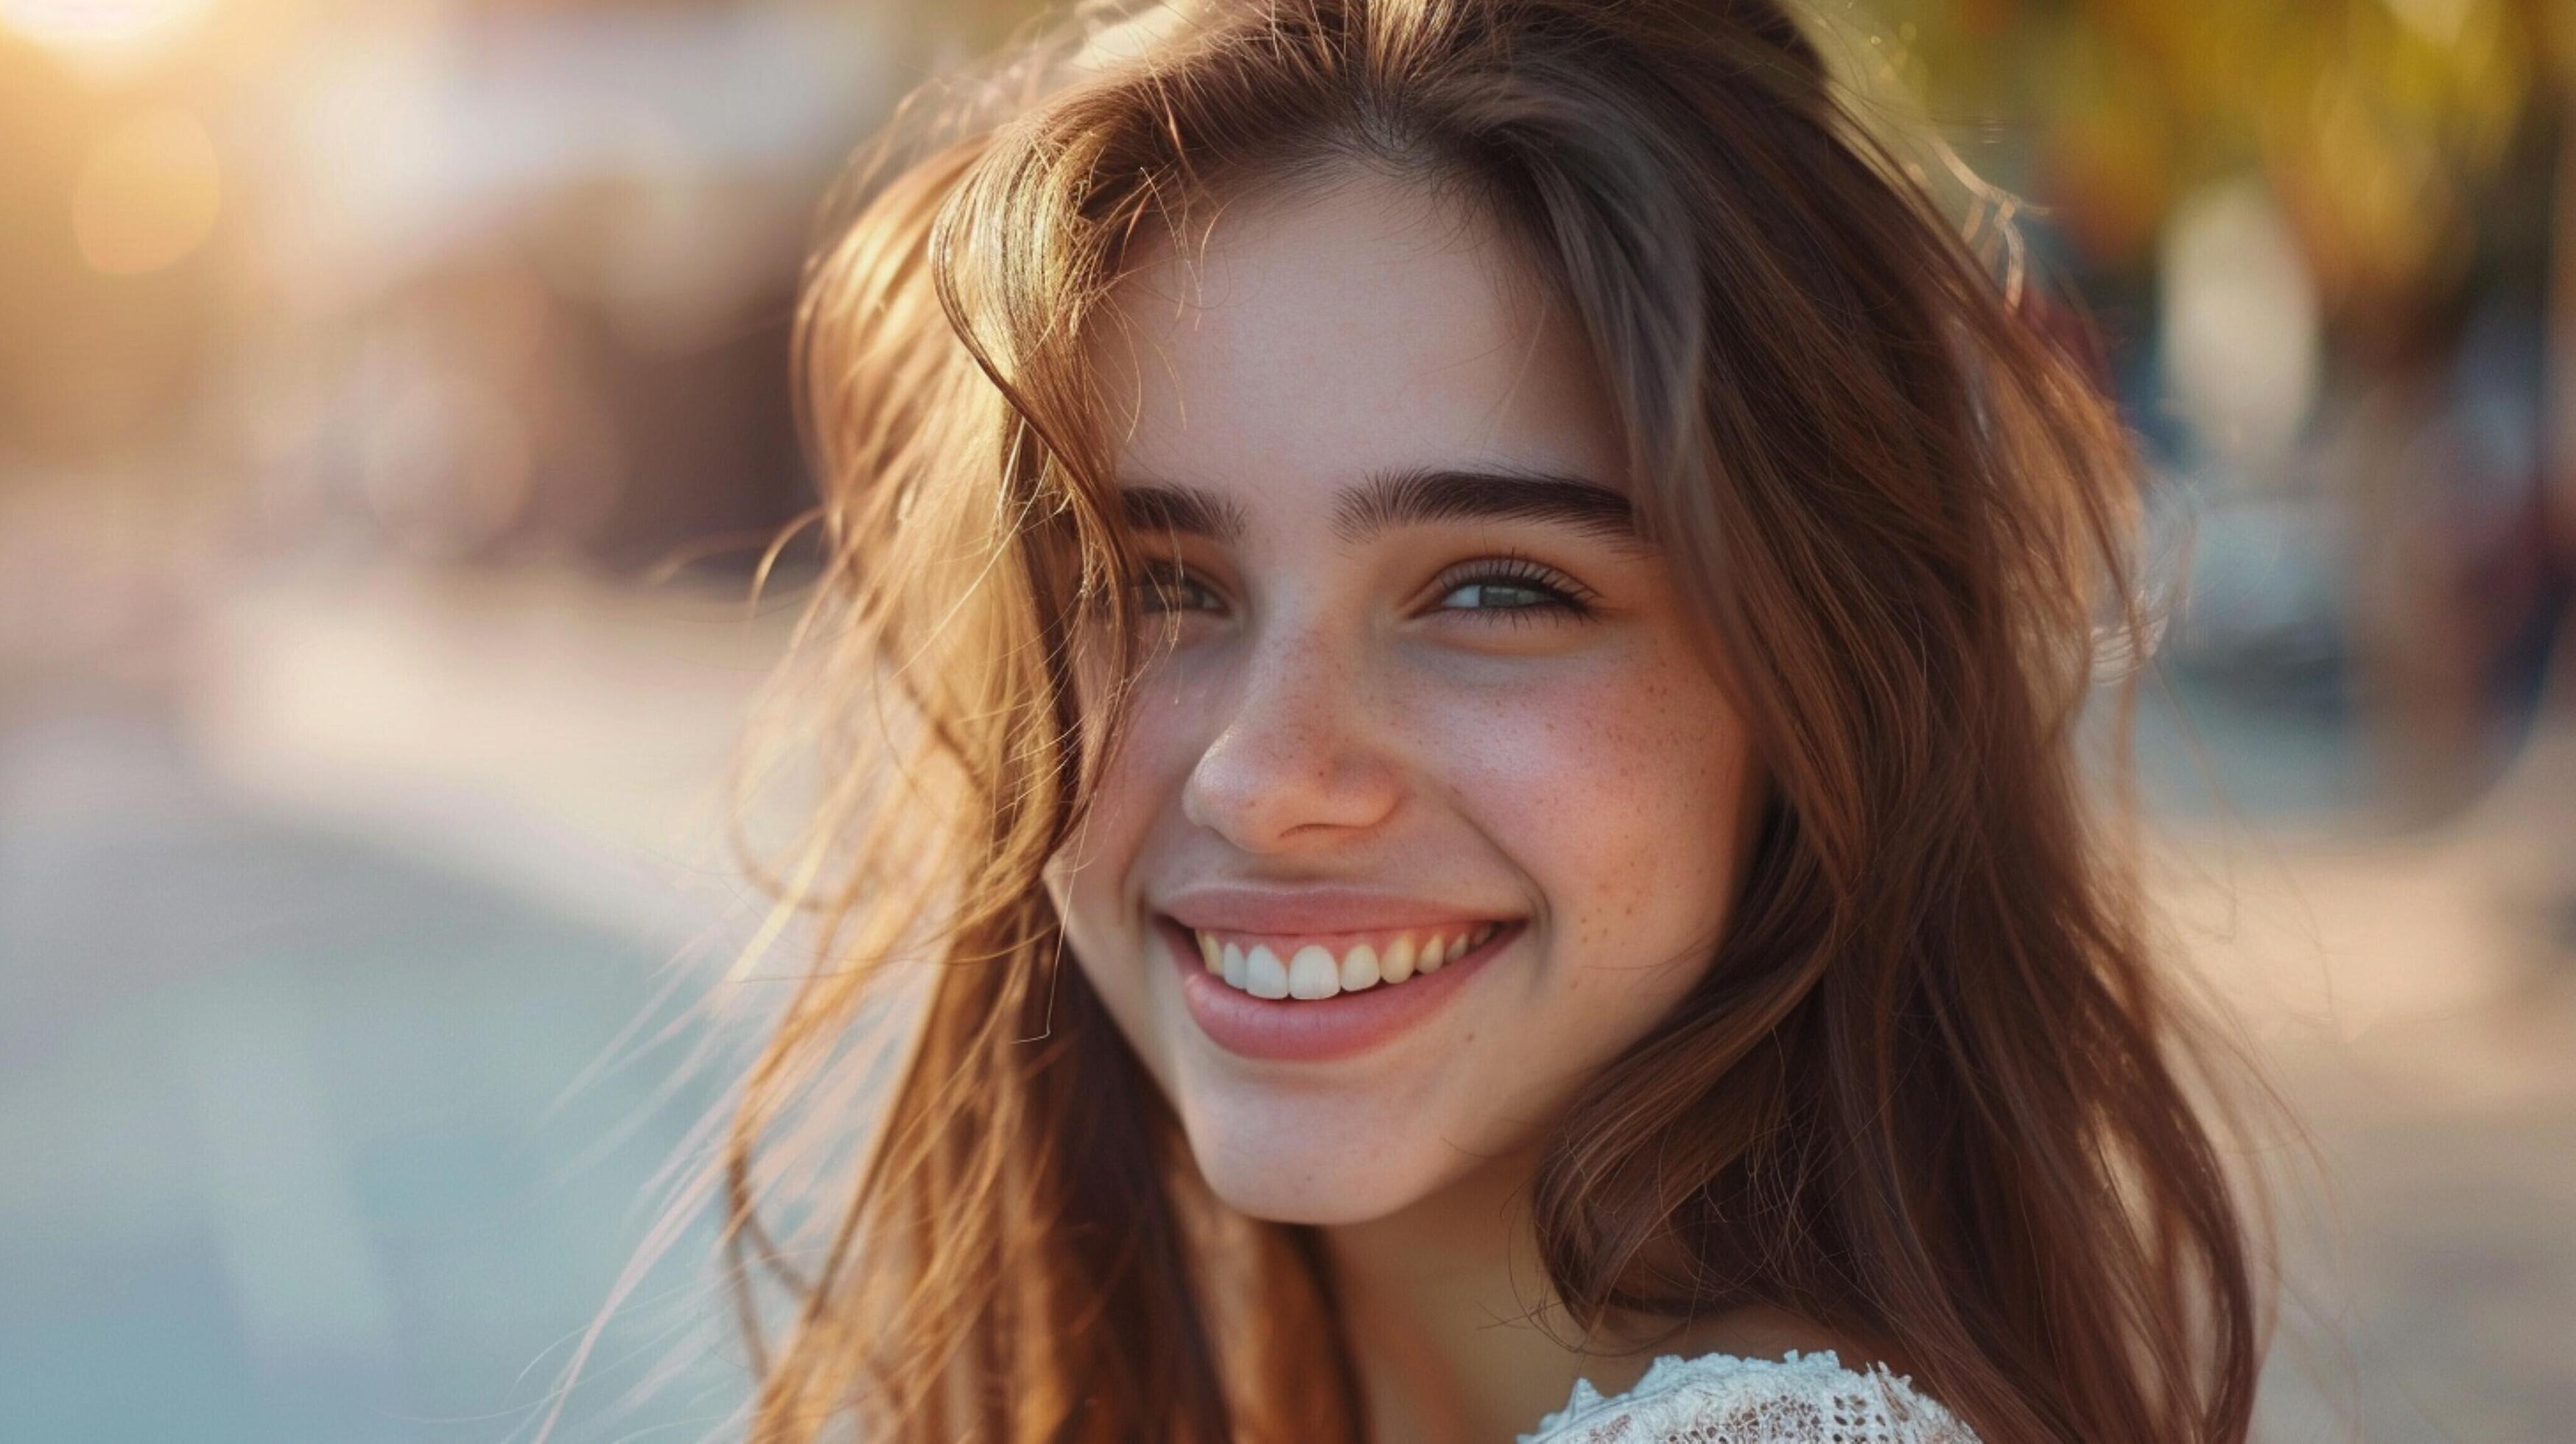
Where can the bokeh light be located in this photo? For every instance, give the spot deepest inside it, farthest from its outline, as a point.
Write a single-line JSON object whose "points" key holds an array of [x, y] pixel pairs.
{"points": [[149, 194], [103, 30], [2241, 342]]}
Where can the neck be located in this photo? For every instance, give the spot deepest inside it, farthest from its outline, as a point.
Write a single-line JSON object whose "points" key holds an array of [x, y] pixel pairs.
{"points": [[1450, 1314], [1460, 1337]]}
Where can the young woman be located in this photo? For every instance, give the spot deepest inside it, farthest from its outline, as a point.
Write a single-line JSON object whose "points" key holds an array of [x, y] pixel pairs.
{"points": [[1454, 636]]}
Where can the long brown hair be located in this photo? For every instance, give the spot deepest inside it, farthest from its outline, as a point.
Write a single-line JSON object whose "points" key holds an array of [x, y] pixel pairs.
{"points": [[1932, 1090]]}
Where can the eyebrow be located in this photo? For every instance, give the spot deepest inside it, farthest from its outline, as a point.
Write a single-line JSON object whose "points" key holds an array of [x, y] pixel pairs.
{"points": [[1413, 496]]}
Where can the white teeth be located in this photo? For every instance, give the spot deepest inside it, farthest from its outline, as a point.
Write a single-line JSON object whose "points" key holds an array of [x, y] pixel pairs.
{"points": [[1311, 974], [1264, 976], [1397, 965], [1359, 969]]}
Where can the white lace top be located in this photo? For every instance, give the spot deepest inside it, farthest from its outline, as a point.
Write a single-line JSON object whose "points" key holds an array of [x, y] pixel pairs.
{"points": [[1723, 1399]]}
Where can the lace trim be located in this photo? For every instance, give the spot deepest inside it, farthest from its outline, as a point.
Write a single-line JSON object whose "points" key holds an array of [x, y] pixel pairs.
{"points": [[1725, 1399]]}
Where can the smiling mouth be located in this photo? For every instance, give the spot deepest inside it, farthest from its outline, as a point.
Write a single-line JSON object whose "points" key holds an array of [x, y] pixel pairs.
{"points": [[1314, 969]]}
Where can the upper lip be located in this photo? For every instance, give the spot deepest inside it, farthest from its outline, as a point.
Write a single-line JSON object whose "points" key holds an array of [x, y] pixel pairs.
{"points": [[1245, 908]]}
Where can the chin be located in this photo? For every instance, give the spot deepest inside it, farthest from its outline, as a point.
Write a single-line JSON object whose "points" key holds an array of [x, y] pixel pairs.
{"points": [[1314, 1173]]}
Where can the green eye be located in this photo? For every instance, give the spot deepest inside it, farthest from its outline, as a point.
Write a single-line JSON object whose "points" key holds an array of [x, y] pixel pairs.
{"points": [[1518, 590], [1169, 589], [1500, 596]]}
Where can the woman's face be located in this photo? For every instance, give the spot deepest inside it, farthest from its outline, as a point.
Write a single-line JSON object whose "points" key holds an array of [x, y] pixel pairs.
{"points": [[1411, 678]]}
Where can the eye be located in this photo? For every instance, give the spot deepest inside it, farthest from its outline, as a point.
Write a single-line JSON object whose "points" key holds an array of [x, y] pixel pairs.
{"points": [[1517, 590], [1169, 587], [1509, 588]]}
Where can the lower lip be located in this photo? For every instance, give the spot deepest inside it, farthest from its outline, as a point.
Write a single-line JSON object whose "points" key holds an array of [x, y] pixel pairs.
{"points": [[1316, 1030]]}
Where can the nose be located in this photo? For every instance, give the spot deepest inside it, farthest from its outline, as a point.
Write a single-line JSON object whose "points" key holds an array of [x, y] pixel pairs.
{"points": [[1299, 760]]}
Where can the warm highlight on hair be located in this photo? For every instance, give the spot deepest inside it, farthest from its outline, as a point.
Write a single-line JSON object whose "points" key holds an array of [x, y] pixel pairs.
{"points": [[1930, 1090]]}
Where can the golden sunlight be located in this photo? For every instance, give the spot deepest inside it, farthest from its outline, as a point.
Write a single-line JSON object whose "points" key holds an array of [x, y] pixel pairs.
{"points": [[101, 30], [148, 194]]}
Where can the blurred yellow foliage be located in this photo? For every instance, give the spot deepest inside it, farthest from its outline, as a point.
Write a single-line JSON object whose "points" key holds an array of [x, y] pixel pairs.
{"points": [[2376, 119]]}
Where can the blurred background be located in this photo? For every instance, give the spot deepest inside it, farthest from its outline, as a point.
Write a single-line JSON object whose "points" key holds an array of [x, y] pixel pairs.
{"points": [[393, 408]]}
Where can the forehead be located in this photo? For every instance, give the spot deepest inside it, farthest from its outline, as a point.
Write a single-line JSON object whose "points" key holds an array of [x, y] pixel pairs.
{"points": [[1325, 334]]}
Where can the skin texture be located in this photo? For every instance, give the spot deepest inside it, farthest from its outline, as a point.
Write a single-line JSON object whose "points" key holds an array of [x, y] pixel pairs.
{"points": [[1322, 712]]}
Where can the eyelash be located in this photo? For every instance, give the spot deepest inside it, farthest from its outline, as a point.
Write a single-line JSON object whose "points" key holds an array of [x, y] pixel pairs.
{"points": [[1562, 597]]}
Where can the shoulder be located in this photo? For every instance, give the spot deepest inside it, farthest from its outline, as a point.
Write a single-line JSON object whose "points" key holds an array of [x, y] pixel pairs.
{"points": [[1802, 1399]]}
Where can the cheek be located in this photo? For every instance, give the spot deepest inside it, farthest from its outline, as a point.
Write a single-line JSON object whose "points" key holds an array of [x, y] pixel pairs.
{"points": [[1618, 789], [1089, 878], [1141, 777]]}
